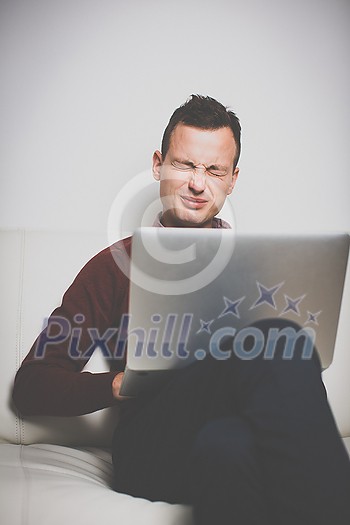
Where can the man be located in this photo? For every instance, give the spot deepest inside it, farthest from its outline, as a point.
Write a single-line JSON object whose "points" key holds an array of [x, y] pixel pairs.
{"points": [[197, 169], [246, 442]]}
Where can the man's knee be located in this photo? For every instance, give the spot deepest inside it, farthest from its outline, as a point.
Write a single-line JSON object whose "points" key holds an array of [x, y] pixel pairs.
{"points": [[285, 339], [278, 341]]}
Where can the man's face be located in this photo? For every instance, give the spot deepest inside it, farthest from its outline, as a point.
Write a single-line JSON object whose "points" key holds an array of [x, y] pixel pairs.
{"points": [[196, 175]]}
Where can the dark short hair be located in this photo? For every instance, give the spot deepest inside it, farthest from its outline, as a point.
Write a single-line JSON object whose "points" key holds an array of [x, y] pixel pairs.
{"points": [[204, 113]]}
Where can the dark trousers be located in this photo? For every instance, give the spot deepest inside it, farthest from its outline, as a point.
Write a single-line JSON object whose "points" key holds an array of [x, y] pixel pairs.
{"points": [[245, 441]]}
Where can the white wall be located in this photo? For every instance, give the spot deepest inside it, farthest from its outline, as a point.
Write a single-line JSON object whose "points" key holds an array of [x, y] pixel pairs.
{"points": [[88, 86]]}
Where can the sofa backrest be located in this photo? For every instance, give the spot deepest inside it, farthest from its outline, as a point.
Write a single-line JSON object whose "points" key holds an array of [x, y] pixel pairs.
{"points": [[35, 270]]}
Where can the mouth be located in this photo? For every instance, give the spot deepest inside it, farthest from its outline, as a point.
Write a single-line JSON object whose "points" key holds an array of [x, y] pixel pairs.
{"points": [[195, 203]]}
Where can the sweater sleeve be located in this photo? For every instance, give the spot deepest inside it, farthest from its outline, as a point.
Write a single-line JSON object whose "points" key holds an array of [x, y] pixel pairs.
{"points": [[50, 380]]}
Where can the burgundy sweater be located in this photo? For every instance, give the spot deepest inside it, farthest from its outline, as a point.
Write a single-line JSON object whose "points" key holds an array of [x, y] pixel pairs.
{"points": [[49, 381]]}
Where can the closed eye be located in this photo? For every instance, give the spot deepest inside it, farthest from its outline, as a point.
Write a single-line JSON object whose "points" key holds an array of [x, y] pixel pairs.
{"points": [[217, 171], [183, 166]]}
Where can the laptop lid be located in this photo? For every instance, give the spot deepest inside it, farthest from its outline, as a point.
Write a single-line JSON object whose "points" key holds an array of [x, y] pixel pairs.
{"points": [[192, 287]]}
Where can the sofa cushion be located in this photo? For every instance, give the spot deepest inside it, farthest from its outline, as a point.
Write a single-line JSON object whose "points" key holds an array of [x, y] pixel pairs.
{"points": [[52, 485]]}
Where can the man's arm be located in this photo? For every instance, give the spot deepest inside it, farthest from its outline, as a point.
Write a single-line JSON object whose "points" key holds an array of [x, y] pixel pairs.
{"points": [[50, 380]]}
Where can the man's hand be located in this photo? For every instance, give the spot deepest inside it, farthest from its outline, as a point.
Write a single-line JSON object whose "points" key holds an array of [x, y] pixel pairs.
{"points": [[116, 384]]}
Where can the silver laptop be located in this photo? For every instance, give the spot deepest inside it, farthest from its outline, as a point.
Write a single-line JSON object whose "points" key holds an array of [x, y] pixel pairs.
{"points": [[192, 288]]}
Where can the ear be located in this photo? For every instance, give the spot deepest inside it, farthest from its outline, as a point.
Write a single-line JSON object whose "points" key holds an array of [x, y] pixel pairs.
{"points": [[233, 181], [157, 162]]}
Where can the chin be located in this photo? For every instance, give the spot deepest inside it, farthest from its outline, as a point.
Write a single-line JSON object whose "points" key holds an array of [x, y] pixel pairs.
{"points": [[187, 218], [192, 222]]}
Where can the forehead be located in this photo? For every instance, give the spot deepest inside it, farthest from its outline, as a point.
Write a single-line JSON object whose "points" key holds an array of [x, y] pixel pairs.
{"points": [[202, 146]]}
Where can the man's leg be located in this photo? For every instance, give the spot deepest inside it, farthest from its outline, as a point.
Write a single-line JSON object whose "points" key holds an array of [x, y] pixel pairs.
{"points": [[226, 478], [304, 465], [152, 445], [294, 446]]}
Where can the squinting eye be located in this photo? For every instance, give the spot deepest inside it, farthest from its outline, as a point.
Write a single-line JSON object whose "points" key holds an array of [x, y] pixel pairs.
{"points": [[217, 173], [181, 166]]}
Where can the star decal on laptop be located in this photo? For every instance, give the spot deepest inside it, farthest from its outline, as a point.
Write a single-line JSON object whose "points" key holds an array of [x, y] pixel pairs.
{"points": [[205, 326], [312, 318], [292, 305], [266, 295], [231, 307]]}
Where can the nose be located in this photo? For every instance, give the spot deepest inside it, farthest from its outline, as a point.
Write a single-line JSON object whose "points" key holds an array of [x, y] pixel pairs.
{"points": [[197, 181]]}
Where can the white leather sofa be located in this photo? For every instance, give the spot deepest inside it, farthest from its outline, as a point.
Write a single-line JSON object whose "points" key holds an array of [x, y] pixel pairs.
{"points": [[58, 470]]}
